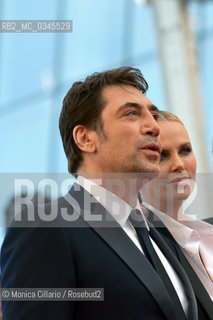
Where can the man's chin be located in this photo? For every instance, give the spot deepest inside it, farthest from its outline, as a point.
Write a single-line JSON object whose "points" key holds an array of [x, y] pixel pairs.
{"points": [[150, 172], [149, 165]]}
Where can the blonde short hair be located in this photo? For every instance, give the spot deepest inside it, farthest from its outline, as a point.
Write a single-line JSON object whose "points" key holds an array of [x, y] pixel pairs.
{"points": [[168, 116]]}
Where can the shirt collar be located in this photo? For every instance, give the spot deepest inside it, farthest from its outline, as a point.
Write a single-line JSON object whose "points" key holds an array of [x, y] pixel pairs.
{"points": [[182, 234], [117, 207]]}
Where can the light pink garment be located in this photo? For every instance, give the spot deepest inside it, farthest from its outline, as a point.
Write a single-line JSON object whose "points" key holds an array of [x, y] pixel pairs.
{"points": [[195, 238], [205, 231]]}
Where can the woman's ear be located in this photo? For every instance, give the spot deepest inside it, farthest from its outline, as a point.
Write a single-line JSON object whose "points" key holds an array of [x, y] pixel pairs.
{"points": [[85, 138]]}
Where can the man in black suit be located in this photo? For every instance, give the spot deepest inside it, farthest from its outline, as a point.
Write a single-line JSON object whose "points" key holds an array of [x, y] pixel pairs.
{"points": [[109, 133]]}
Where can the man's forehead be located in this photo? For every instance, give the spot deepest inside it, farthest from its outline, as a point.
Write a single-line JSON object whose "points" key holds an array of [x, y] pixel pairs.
{"points": [[117, 98], [121, 94]]}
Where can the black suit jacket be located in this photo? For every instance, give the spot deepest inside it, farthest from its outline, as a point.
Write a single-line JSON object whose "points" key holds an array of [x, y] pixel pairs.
{"points": [[80, 254]]}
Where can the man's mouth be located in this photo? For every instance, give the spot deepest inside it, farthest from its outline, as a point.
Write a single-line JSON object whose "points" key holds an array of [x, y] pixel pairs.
{"points": [[152, 149]]}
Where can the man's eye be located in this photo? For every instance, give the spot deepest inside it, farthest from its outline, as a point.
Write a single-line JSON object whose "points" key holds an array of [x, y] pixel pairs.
{"points": [[132, 113], [155, 116]]}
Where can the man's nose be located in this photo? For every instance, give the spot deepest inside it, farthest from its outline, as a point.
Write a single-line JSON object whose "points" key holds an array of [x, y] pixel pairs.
{"points": [[150, 126]]}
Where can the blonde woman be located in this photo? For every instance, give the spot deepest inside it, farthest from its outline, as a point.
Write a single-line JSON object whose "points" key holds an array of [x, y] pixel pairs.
{"points": [[164, 197]]}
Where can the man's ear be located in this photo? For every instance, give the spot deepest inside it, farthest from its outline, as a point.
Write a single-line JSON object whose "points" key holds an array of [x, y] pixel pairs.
{"points": [[85, 138]]}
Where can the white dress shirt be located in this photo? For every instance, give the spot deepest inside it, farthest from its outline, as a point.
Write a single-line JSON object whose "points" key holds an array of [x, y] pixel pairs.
{"points": [[120, 210], [190, 242]]}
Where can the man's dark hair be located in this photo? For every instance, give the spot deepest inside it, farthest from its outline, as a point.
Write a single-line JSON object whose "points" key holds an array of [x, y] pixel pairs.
{"points": [[84, 103]]}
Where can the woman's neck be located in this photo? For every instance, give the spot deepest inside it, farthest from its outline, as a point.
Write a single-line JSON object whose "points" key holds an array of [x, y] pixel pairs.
{"points": [[173, 209]]}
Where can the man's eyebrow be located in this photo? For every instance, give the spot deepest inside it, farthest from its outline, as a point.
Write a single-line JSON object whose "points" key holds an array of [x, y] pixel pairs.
{"points": [[128, 105], [153, 108], [136, 106]]}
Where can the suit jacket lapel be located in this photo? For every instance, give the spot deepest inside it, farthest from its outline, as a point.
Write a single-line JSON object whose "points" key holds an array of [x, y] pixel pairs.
{"points": [[114, 236], [120, 243], [193, 312], [199, 289]]}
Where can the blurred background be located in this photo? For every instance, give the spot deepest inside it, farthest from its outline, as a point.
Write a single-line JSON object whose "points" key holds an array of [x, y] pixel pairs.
{"points": [[170, 41]]}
